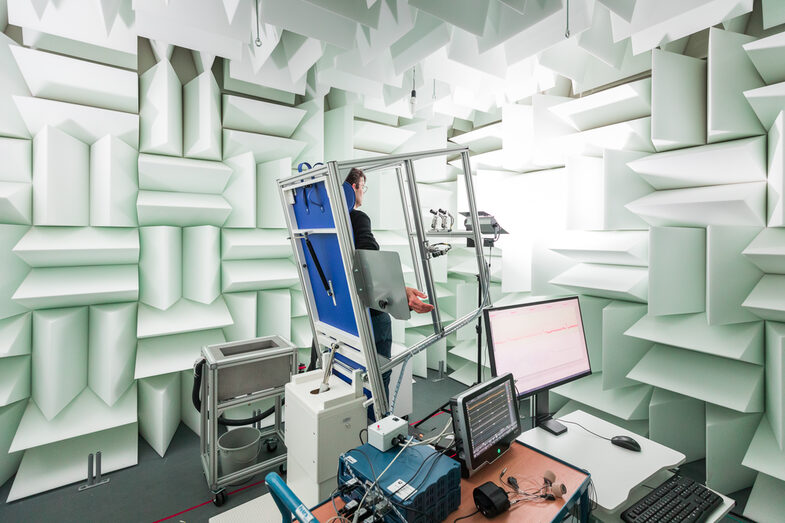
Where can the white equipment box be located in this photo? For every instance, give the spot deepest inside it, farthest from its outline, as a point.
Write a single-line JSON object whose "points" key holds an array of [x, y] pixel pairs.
{"points": [[319, 428], [382, 433]]}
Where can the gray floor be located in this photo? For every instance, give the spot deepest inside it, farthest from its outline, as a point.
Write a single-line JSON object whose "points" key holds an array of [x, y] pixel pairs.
{"points": [[159, 488]]}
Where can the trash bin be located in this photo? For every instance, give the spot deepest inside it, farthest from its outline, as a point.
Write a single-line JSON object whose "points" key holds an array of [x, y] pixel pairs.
{"points": [[238, 449]]}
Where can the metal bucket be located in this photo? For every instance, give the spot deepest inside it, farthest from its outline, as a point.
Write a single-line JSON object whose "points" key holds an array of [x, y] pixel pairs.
{"points": [[238, 449]]}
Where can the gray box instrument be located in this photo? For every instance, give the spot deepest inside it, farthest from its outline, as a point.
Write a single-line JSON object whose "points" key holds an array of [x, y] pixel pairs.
{"points": [[380, 285]]}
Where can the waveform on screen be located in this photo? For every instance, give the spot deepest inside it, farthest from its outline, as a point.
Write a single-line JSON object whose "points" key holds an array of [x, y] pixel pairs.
{"points": [[537, 334]]}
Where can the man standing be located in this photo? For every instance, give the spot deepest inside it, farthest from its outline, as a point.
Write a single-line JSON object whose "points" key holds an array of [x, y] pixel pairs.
{"points": [[364, 239]]}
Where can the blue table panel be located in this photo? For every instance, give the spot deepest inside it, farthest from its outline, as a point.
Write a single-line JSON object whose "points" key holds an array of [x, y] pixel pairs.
{"points": [[312, 210]]}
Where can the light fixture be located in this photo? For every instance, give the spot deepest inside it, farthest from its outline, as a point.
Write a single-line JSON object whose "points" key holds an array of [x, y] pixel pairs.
{"points": [[413, 99]]}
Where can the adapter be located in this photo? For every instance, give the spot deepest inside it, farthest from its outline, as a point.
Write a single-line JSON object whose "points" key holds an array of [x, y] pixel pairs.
{"points": [[384, 432]]}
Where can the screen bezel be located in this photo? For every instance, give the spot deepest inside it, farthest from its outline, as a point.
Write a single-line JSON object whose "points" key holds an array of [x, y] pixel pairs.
{"points": [[491, 352], [492, 454]]}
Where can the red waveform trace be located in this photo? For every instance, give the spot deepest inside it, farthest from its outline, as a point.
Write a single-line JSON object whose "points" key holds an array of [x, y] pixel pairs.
{"points": [[539, 333], [561, 328]]}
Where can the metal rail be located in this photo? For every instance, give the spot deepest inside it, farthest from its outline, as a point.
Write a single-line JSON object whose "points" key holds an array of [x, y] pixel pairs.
{"points": [[332, 174]]}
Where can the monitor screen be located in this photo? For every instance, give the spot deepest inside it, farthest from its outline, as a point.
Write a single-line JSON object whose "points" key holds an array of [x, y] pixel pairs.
{"points": [[542, 343], [485, 421]]}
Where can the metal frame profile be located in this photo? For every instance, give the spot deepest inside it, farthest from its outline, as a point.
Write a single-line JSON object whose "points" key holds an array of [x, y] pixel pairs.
{"points": [[213, 407], [403, 164]]}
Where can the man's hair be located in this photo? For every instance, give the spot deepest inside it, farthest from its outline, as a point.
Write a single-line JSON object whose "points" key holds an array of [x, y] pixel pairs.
{"points": [[354, 176]]}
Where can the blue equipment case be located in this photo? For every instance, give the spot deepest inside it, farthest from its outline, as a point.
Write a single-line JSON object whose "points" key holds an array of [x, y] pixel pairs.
{"points": [[435, 489]]}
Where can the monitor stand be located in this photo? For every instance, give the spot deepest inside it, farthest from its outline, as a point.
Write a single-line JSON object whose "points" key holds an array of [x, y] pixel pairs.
{"points": [[542, 417]]}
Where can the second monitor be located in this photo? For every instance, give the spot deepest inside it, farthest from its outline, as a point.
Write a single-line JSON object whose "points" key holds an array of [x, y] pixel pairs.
{"points": [[542, 344]]}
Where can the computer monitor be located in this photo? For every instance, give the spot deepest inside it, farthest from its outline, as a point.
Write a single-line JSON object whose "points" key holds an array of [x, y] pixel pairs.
{"points": [[485, 422], [542, 344]]}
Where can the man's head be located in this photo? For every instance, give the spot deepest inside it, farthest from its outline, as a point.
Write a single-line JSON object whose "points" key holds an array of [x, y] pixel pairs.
{"points": [[356, 178]]}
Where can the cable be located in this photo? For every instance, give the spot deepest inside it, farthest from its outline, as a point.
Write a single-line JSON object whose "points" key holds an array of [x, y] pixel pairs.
{"points": [[398, 384], [584, 428], [373, 473], [377, 478], [433, 464], [399, 505], [464, 517], [434, 438], [258, 41], [361, 436], [332, 499]]}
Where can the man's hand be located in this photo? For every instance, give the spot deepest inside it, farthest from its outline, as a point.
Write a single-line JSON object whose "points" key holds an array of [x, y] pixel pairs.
{"points": [[415, 303]]}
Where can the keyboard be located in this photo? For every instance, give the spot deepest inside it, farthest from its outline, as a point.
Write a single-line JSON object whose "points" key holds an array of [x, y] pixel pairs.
{"points": [[678, 499]]}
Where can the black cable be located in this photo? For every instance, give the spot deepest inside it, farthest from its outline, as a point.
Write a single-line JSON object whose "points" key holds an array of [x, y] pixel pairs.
{"points": [[332, 498], [373, 473], [361, 437], [430, 469], [196, 399], [584, 428], [405, 508], [415, 473], [464, 517]]}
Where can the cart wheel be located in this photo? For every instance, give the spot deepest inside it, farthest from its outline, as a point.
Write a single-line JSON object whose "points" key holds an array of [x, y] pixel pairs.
{"points": [[272, 445], [282, 468], [219, 498]]}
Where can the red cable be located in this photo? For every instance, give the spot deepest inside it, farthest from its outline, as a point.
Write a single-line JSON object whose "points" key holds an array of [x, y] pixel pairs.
{"points": [[183, 511], [207, 502], [429, 417]]}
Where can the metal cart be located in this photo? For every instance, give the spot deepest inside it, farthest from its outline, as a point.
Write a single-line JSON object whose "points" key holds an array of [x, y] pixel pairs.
{"points": [[234, 374]]}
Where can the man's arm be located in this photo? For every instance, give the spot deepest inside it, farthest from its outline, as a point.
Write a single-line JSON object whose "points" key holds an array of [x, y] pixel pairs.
{"points": [[415, 303]]}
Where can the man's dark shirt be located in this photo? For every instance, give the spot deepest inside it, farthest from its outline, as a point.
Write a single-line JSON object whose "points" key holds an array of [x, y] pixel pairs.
{"points": [[361, 227]]}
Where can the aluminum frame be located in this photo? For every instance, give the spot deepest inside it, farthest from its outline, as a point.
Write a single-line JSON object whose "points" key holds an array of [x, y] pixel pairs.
{"points": [[330, 173], [212, 409]]}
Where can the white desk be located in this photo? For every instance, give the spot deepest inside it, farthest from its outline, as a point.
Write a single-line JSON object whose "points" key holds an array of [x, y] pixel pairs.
{"points": [[260, 510], [616, 472]]}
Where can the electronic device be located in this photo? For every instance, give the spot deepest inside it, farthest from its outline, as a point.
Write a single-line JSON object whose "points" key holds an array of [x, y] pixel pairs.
{"points": [[543, 345], [553, 490], [626, 442], [488, 226], [676, 499], [421, 480], [383, 434], [485, 421], [490, 499]]}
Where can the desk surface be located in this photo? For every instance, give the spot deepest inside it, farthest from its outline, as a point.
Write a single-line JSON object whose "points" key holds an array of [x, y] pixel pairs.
{"points": [[521, 462], [614, 470], [639, 492], [527, 466]]}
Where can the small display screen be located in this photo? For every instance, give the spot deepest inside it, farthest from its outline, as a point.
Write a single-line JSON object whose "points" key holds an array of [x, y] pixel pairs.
{"points": [[485, 418], [490, 417]]}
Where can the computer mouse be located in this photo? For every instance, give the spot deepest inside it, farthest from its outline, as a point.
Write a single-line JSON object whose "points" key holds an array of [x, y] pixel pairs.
{"points": [[626, 442]]}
